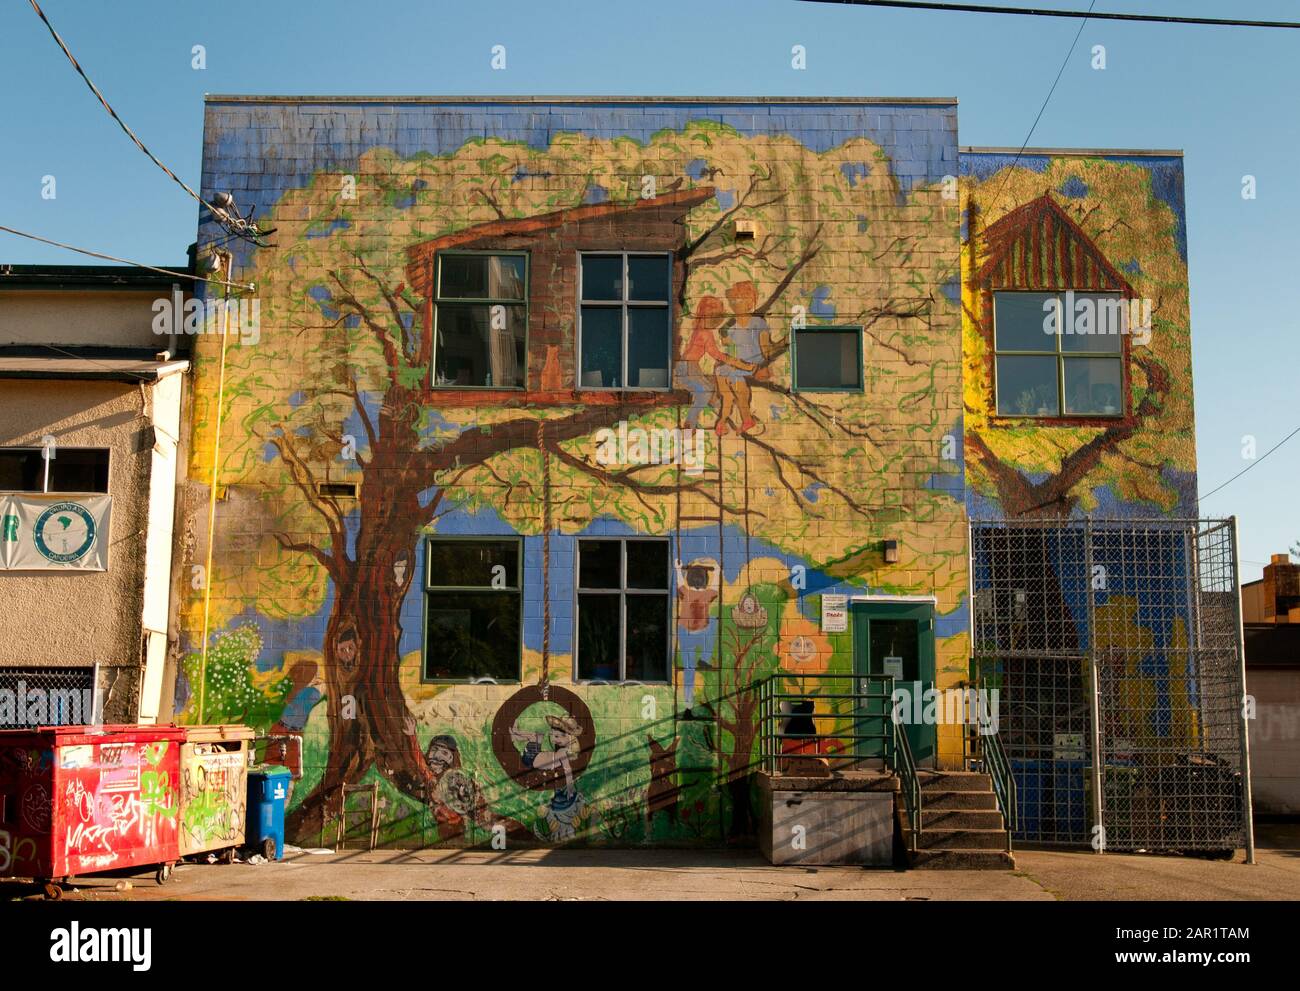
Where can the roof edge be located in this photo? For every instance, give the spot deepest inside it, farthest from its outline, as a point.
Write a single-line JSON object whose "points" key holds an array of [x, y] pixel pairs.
{"points": [[732, 100], [1074, 152]]}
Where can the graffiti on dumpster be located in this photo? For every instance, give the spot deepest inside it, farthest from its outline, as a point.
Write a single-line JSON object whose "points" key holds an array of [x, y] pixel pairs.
{"points": [[114, 804], [215, 800]]}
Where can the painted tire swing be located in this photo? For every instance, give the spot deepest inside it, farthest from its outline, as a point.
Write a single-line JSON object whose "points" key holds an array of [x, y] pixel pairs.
{"points": [[508, 755]]}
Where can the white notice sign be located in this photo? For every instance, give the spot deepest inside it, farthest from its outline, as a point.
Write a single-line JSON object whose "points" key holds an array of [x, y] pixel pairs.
{"points": [[835, 613]]}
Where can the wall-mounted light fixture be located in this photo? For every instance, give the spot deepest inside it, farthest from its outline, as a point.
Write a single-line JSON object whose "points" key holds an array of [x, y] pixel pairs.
{"points": [[745, 230], [891, 551]]}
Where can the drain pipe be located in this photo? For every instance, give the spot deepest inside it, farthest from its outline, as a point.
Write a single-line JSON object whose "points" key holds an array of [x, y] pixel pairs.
{"points": [[223, 263]]}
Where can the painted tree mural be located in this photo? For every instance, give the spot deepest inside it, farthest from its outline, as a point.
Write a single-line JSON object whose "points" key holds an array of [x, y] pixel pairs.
{"points": [[337, 392], [1076, 222]]}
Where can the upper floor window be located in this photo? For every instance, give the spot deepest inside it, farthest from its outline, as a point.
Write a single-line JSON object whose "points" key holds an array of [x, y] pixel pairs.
{"points": [[481, 320], [1059, 354], [624, 321], [827, 359], [67, 469], [473, 608]]}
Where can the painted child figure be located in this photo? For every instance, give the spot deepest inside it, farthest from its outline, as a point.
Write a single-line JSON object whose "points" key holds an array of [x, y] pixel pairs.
{"points": [[566, 805]]}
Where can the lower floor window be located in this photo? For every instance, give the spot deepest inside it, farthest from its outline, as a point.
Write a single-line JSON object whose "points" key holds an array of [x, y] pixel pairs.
{"points": [[472, 609], [623, 610]]}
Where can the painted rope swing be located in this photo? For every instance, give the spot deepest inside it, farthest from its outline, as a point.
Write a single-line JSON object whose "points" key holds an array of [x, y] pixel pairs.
{"points": [[577, 716]]}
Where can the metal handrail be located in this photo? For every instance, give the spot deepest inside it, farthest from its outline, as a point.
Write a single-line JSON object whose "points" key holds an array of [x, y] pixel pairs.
{"points": [[771, 738], [1004, 781], [904, 765]]}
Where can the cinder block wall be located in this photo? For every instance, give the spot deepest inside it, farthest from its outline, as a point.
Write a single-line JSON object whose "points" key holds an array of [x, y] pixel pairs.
{"points": [[856, 224]]}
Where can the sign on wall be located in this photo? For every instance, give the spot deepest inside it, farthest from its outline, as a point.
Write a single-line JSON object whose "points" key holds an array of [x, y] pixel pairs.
{"points": [[835, 613], [56, 532]]}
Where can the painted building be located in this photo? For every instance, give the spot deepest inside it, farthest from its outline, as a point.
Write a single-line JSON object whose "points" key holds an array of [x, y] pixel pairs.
{"points": [[563, 424], [91, 417]]}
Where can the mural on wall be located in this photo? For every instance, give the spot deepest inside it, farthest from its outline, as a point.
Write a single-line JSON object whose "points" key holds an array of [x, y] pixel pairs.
{"points": [[1108, 225], [771, 497]]}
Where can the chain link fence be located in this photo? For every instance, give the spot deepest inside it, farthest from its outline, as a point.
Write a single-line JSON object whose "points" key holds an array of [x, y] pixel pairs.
{"points": [[48, 696], [1117, 638]]}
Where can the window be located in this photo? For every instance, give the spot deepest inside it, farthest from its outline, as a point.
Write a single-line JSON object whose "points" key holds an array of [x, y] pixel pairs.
{"points": [[69, 469], [481, 315], [472, 609], [625, 326], [623, 607], [827, 359], [1052, 362]]}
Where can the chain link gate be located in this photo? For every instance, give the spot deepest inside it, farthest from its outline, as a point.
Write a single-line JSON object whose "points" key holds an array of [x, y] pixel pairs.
{"points": [[1123, 638]]}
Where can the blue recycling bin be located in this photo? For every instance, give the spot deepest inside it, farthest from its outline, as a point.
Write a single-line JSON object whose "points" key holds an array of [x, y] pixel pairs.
{"points": [[268, 793]]}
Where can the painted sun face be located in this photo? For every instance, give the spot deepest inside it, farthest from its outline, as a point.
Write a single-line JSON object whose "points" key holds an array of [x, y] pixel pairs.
{"points": [[803, 650]]}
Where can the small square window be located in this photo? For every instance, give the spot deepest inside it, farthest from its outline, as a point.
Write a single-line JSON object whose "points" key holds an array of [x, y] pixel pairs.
{"points": [[472, 609], [828, 359]]}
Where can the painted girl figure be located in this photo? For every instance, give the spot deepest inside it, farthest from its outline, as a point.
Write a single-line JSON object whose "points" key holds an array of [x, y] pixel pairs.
{"points": [[540, 753], [709, 314]]}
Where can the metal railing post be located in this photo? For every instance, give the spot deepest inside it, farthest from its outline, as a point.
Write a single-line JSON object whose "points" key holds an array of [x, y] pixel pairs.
{"points": [[1248, 807]]}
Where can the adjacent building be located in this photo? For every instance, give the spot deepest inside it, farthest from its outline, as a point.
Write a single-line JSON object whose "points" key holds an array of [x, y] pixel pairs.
{"points": [[92, 412]]}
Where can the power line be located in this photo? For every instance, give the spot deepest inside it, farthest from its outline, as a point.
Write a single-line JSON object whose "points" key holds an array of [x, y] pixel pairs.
{"points": [[1041, 110], [226, 213], [113, 113], [113, 258], [982, 8], [1252, 464]]}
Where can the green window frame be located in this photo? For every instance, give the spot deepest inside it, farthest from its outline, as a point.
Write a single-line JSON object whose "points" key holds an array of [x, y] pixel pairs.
{"points": [[821, 333], [473, 623], [459, 361], [1074, 359]]}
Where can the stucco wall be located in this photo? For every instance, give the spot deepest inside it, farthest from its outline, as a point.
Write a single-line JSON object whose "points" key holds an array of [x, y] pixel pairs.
{"points": [[84, 618]]}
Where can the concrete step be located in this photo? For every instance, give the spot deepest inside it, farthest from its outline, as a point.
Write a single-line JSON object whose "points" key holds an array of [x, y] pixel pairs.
{"points": [[962, 839], [963, 860], [975, 800], [954, 781], [932, 818]]}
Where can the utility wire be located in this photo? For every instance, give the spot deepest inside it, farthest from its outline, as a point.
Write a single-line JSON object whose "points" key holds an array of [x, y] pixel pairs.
{"points": [[1252, 464], [113, 113], [113, 258], [983, 8], [227, 215], [1041, 110]]}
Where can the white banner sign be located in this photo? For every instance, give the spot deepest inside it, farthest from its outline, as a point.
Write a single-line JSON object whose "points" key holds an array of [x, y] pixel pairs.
{"points": [[54, 532]]}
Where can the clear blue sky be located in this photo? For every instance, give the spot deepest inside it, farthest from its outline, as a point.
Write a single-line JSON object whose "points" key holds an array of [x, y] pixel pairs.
{"points": [[1226, 96]]}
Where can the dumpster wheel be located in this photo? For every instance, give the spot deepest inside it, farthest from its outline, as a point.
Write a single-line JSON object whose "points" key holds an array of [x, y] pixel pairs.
{"points": [[164, 873], [53, 891], [226, 856], [268, 848]]}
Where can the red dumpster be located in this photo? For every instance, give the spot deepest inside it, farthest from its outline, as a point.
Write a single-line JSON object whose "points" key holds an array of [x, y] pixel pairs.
{"points": [[80, 799]]}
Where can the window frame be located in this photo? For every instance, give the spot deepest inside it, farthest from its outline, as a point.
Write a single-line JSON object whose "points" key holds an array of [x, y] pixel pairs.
{"points": [[1062, 414], [859, 389], [437, 298], [622, 592], [45, 478], [426, 590], [623, 306]]}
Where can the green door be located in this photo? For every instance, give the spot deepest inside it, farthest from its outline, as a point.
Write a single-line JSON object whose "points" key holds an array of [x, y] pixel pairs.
{"points": [[895, 638]]}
